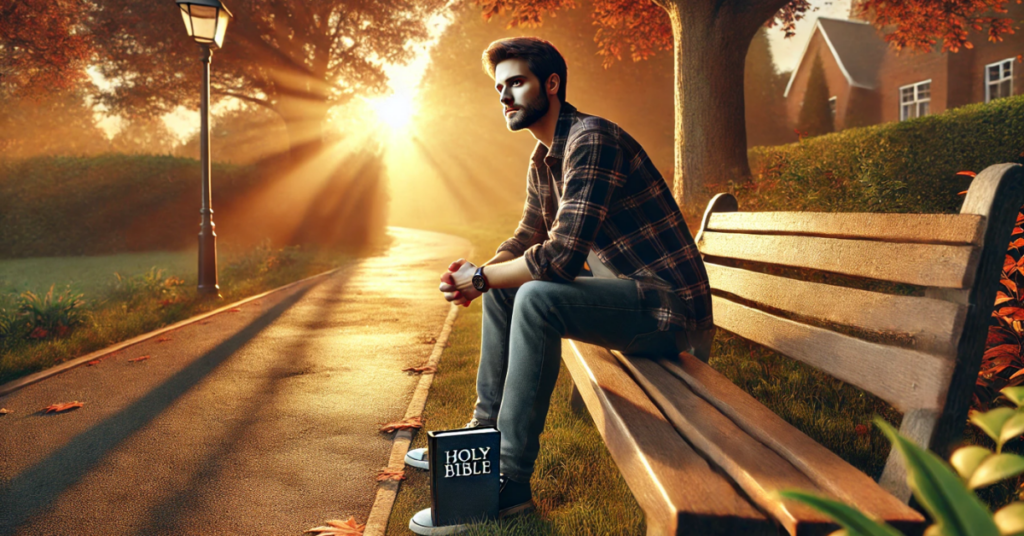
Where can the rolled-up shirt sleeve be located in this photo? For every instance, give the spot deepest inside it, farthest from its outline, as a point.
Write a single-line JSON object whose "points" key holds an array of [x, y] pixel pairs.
{"points": [[531, 229], [595, 169]]}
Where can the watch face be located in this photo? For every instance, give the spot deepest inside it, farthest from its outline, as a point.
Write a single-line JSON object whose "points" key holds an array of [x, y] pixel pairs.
{"points": [[478, 283]]}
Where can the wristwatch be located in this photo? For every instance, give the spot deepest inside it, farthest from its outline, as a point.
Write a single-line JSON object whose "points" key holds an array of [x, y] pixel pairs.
{"points": [[480, 280]]}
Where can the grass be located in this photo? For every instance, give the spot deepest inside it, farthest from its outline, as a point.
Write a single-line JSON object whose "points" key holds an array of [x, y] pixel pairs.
{"points": [[153, 290], [577, 487]]}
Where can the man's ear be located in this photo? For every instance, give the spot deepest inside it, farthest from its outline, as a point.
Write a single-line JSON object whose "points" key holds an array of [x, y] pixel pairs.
{"points": [[554, 82]]}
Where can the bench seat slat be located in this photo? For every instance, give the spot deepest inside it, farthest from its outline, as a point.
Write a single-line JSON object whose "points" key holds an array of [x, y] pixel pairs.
{"points": [[758, 470], [935, 325], [920, 228], [830, 472], [676, 488], [907, 379], [926, 265]]}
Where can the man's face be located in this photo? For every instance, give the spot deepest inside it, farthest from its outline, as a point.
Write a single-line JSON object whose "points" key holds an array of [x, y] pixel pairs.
{"points": [[522, 94]]}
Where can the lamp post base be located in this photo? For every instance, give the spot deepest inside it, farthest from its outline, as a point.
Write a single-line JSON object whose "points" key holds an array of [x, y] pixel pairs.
{"points": [[208, 260]]}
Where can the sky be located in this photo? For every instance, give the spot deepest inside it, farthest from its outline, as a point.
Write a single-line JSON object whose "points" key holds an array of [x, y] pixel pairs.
{"points": [[786, 52]]}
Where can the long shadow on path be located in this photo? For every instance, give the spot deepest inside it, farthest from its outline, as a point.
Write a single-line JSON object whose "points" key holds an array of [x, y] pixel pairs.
{"points": [[36, 488]]}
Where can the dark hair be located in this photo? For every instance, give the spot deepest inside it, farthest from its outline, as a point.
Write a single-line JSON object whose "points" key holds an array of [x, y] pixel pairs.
{"points": [[541, 57]]}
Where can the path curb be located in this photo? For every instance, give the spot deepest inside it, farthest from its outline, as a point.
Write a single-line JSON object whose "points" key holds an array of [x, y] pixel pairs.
{"points": [[14, 385], [380, 513]]}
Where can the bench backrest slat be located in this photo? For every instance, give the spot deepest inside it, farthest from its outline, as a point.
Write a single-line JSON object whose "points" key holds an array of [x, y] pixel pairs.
{"points": [[956, 257], [920, 228], [905, 378], [929, 325], [916, 264]]}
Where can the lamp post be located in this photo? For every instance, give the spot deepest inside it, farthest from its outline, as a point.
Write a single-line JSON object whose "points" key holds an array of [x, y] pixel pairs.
{"points": [[206, 22]]}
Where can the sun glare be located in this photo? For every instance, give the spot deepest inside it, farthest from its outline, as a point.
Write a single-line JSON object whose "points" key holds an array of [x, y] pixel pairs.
{"points": [[395, 110]]}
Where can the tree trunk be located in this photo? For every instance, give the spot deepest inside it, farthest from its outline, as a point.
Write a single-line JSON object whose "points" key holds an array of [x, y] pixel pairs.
{"points": [[711, 41]]}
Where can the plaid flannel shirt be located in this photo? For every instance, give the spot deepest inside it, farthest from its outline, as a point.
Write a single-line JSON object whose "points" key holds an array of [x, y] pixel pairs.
{"points": [[614, 201]]}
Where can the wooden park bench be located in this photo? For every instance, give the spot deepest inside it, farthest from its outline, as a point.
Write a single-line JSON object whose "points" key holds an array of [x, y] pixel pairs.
{"points": [[702, 456]]}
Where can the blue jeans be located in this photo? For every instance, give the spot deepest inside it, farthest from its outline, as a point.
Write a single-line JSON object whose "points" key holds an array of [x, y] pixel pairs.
{"points": [[521, 350]]}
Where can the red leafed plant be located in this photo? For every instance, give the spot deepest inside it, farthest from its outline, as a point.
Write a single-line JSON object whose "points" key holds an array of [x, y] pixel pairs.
{"points": [[1002, 364]]}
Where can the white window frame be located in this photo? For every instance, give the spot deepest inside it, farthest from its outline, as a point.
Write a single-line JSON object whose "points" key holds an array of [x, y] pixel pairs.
{"points": [[833, 105], [989, 83], [917, 100]]}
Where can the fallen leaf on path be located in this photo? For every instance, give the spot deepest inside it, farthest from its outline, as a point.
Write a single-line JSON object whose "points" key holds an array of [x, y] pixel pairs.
{"points": [[390, 475], [140, 358], [235, 310], [429, 369], [204, 322], [431, 340], [93, 363], [404, 424], [336, 527], [257, 303], [4, 411], [64, 406], [164, 339]]}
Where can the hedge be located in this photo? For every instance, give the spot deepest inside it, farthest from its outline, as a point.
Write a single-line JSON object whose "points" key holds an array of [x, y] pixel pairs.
{"points": [[908, 166]]}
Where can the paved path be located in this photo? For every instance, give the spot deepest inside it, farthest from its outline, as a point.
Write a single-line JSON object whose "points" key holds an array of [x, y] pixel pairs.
{"points": [[260, 422]]}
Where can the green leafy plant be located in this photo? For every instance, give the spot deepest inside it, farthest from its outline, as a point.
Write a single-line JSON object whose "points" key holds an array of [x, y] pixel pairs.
{"points": [[51, 314], [945, 490]]}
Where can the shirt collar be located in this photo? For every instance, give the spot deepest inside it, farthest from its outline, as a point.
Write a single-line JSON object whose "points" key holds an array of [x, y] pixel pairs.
{"points": [[566, 116]]}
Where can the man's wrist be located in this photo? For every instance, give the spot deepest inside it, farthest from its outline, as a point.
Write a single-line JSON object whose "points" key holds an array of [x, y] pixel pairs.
{"points": [[479, 280]]}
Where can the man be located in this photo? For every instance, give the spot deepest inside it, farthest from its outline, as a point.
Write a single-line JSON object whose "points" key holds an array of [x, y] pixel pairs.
{"points": [[592, 195]]}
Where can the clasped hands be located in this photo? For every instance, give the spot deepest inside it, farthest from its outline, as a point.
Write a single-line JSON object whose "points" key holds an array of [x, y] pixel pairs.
{"points": [[457, 283]]}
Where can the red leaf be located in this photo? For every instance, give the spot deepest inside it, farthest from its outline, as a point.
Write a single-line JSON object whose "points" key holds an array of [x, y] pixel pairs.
{"points": [[967, 173], [404, 424], [336, 527], [390, 475], [140, 358], [205, 322], [92, 363], [861, 429], [61, 407], [962, 193], [1009, 264], [1017, 231], [1003, 351], [235, 310], [1001, 297], [429, 369], [38, 333], [1013, 313], [1009, 284], [163, 339], [1020, 217], [1016, 244], [999, 335]]}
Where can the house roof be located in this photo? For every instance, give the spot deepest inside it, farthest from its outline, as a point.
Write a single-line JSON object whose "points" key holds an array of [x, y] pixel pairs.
{"points": [[856, 46]]}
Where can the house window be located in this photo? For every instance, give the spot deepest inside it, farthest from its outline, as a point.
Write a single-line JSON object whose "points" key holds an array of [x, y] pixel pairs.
{"points": [[832, 106], [999, 80], [915, 100]]}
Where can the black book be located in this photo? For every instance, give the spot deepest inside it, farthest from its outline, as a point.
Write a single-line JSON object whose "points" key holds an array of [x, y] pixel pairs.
{"points": [[463, 475]]}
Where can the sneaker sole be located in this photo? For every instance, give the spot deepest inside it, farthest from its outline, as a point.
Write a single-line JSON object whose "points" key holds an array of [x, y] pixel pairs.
{"points": [[524, 508], [419, 464]]}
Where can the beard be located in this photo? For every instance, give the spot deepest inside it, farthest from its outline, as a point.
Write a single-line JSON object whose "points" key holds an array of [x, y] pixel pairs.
{"points": [[529, 114]]}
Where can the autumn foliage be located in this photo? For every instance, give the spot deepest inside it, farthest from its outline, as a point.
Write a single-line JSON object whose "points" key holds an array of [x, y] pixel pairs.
{"points": [[918, 25], [1002, 365]]}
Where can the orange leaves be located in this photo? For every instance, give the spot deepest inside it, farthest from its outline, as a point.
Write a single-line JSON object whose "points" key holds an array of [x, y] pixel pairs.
{"points": [[1001, 297], [404, 424], [4, 411], [62, 407], [337, 527], [920, 24], [163, 339], [1009, 313], [1009, 284], [140, 358], [386, 474], [428, 369], [235, 310], [967, 173]]}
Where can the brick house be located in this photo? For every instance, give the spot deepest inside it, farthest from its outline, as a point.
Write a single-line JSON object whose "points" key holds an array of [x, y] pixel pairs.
{"points": [[871, 83]]}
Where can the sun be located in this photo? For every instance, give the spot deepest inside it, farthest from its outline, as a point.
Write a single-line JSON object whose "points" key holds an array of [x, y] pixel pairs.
{"points": [[395, 110]]}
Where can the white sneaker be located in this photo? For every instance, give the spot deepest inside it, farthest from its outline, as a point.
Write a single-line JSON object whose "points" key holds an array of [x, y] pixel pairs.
{"points": [[418, 457], [422, 523]]}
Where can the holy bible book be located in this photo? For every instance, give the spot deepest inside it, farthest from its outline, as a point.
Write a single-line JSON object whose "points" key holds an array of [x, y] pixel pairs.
{"points": [[463, 475]]}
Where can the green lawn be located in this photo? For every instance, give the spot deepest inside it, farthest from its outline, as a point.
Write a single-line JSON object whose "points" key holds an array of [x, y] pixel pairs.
{"points": [[92, 276]]}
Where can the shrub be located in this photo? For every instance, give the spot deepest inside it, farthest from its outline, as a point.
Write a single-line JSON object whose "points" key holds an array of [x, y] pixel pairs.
{"points": [[909, 166], [49, 315]]}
